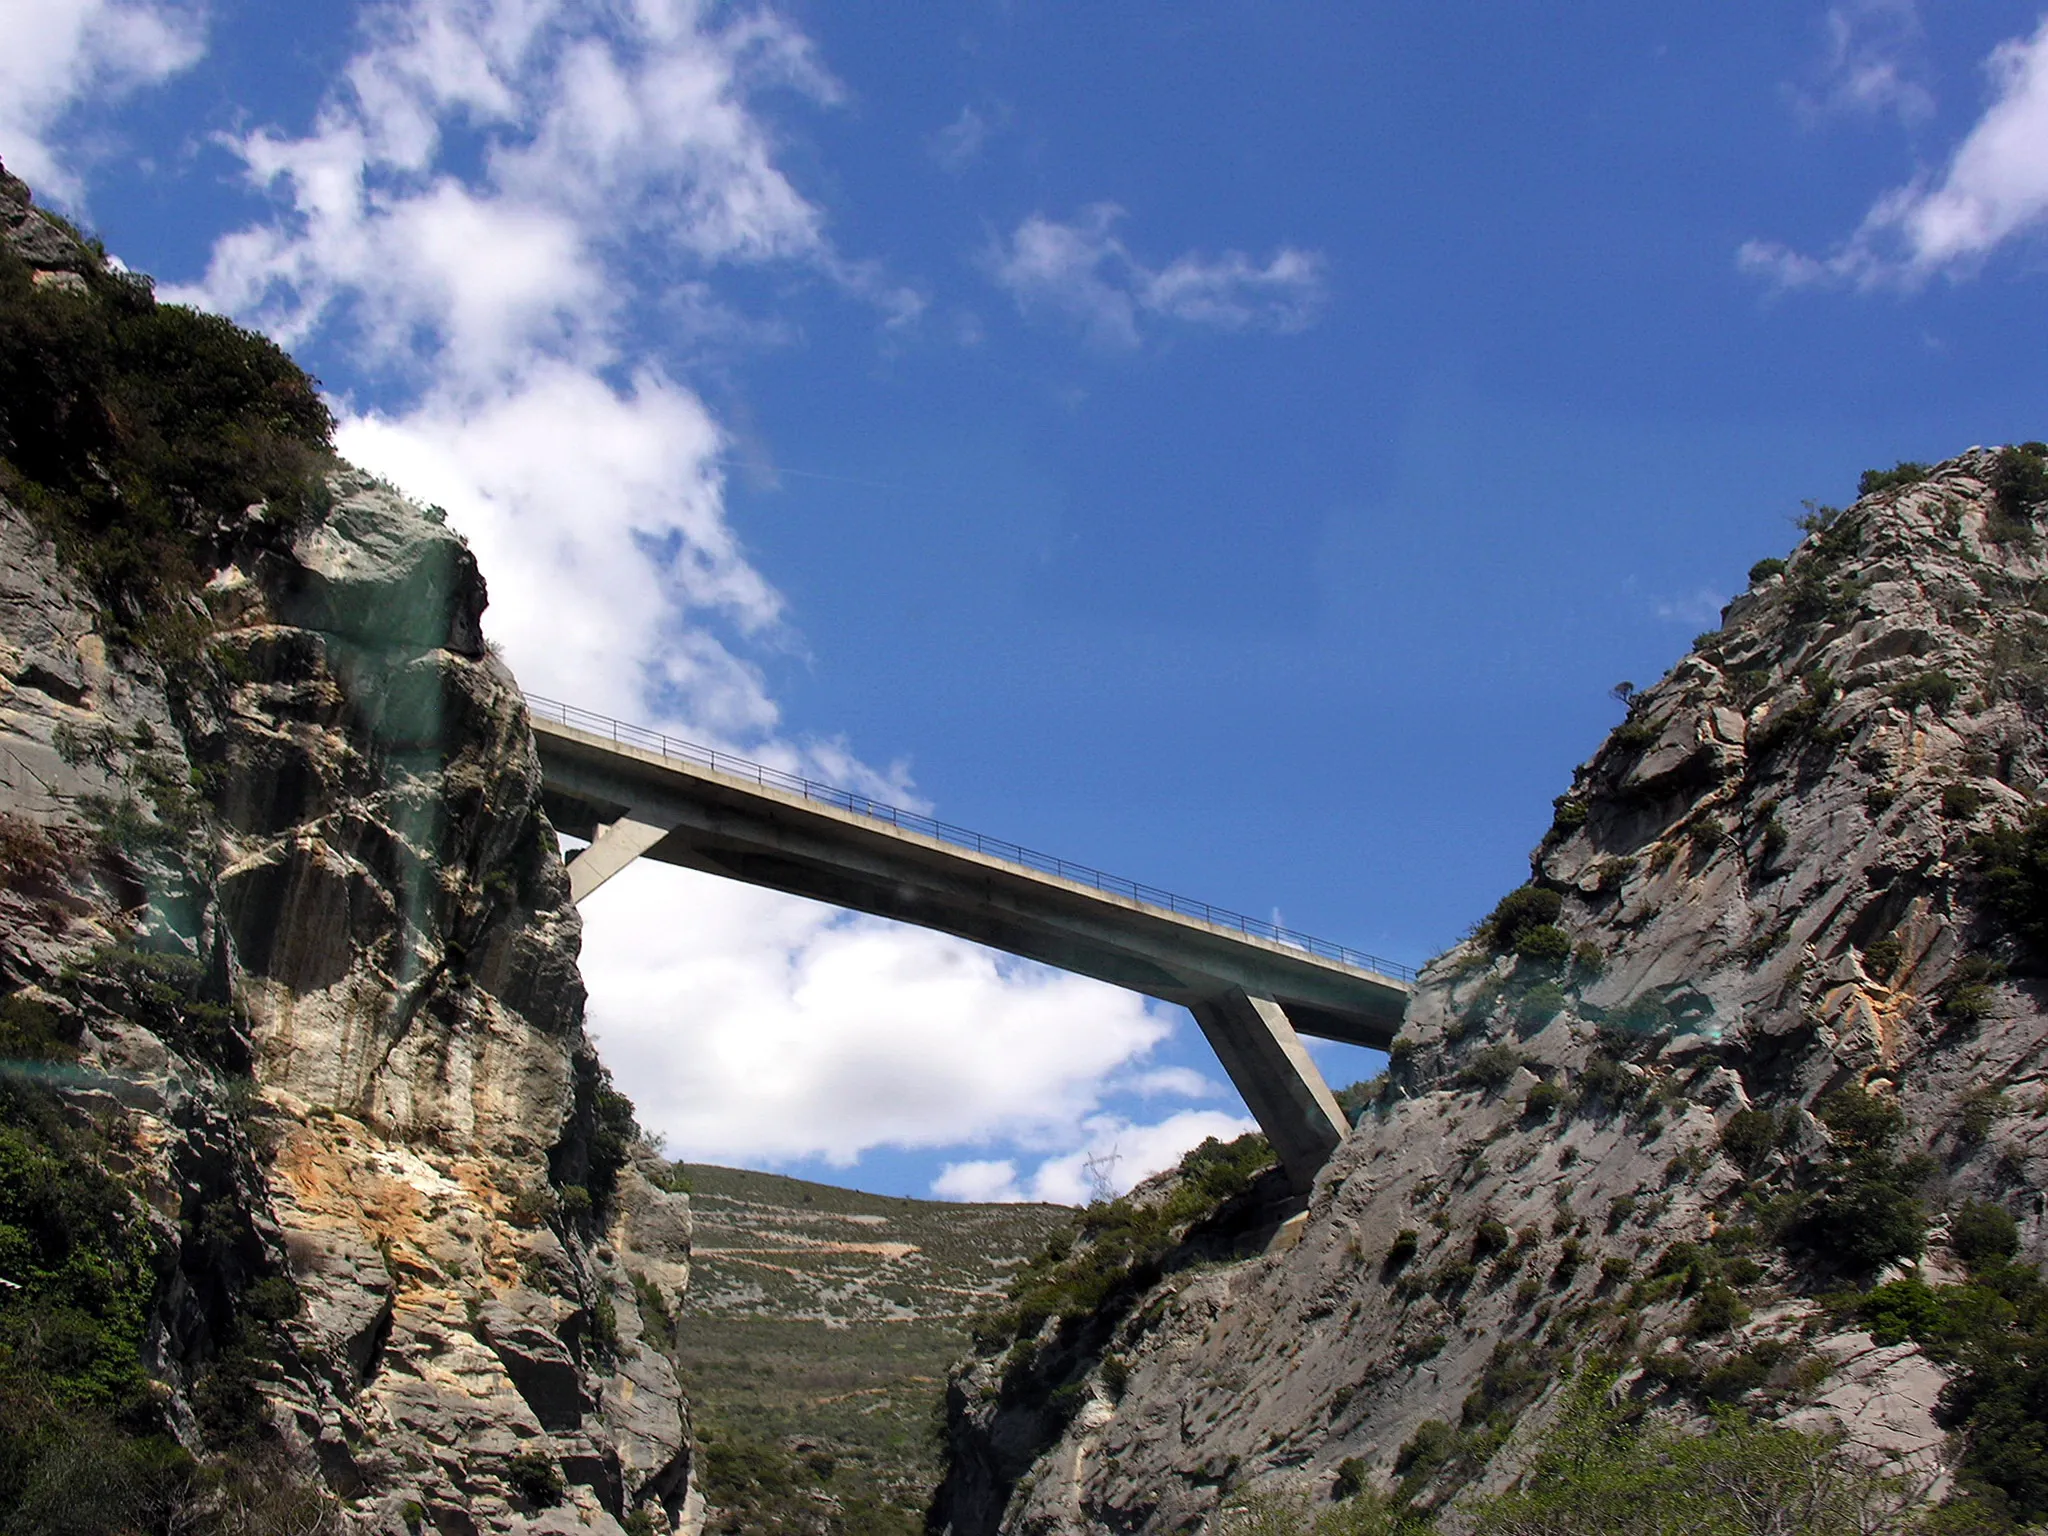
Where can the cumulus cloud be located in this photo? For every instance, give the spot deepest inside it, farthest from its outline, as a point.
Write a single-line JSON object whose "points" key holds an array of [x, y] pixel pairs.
{"points": [[56, 54], [1116, 1155], [1993, 191], [1084, 272], [489, 215], [860, 1033]]}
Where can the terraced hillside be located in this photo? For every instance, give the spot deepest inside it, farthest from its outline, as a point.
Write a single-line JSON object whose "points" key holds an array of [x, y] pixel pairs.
{"points": [[815, 1338]]}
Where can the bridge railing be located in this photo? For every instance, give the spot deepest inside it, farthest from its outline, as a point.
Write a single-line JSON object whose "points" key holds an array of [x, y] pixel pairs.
{"points": [[624, 734]]}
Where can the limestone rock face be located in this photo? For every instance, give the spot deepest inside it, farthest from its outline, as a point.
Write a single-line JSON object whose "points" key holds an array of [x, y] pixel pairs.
{"points": [[1767, 877], [316, 808]]}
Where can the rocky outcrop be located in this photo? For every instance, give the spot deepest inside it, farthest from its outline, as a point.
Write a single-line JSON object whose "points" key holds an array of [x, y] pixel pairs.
{"points": [[1768, 886], [276, 863]]}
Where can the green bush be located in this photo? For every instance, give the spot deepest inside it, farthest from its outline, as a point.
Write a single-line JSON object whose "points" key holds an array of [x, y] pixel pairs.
{"points": [[1959, 802], [1569, 816], [1492, 1068], [2019, 482], [1716, 1310], [1905, 472], [1544, 1100], [2013, 866], [1992, 1336], [1544, 944], [1749, 1138], [1526, 907], [1541, 1003], [1970, 1003], [1764, 570], [1605, 1470], [1861, 1120], [1881, 959], [1350, 1479], [534, 1476], [1632, 735], [1982, 1234], [132, 428], [1936, 690], [1401, 1250], [1433, 1443]]}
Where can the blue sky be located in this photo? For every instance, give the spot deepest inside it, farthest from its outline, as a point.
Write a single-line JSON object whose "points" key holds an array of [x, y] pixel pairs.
{"points": [[1238, 446]]}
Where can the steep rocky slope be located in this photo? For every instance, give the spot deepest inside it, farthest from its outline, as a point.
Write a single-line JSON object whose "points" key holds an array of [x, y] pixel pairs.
{"points": [[1765, 1029], [308, 1173]]}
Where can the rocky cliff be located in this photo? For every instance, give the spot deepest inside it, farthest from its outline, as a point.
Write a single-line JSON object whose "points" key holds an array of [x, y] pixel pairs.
{"points": [[1738, 1103], [317, 1210]]}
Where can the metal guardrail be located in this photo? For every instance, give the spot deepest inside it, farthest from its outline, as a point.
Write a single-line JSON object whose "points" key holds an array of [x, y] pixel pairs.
{"points": [[623, 734]]}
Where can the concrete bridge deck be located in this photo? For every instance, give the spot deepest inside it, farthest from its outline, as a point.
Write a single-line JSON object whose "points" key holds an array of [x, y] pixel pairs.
{"points": [[1250, 985]]}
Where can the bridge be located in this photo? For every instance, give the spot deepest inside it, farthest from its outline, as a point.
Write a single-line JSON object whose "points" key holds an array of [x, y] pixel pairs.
{"points": [[1253, 987]]}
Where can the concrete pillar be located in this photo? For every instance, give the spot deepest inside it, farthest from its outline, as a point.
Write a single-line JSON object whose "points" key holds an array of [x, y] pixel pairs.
{"points": [[617, 845], [1280, 1084]]}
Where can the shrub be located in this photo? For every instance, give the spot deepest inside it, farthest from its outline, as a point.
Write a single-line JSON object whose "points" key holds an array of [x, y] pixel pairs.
{"points": [[2013, 865], [2019, 482], [1570, 815], [534, 1476], [1544, 1100], [131, 428], [1491, 1068], [1861, 1120], [1774, 840], [1970, 1003], [1603, 1469], [1881, 959], [1433, 1443], [1401, 1250], [1905, 472], [1588, 958], [1749, 1138], [1526, 907], [1716, 1309], [1982, 1234], [1545, 945], [1959, 802], [1632, 735], [1936, 690], [1490, 1238], [1541, 1003], [1350, 1480], [1764, 570], [1870, 1218], [1980, 1111]]}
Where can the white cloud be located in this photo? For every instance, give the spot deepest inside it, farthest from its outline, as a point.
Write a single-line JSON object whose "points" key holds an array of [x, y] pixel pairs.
{"points": [[1084, 272], [747, 1025], [56, 54], [596, 514], [959, 144], [1703, 605], [1121, 1153], [1869, 65], [1993, 191], [984, 1181], [486, 215]]}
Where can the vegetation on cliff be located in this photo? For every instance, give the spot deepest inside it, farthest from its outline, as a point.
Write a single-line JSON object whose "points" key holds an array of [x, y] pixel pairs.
{"points": [[137, 433]]}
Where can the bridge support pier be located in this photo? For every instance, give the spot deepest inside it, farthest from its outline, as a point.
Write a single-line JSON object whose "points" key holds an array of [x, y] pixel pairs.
{"points": [[616, 846], [1278, 1079]]}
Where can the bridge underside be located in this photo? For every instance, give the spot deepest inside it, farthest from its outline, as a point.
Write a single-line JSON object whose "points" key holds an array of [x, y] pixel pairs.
{"points": [[1250, 995]]}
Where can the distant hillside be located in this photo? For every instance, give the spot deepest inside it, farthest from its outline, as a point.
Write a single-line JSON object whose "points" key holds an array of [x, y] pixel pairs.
{"points": [[815, 1339]]}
